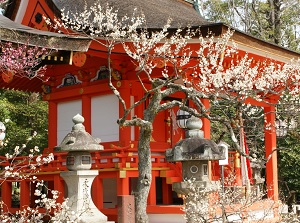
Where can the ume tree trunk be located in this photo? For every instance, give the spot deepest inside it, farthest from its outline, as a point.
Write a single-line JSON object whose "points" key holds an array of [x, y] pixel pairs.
{"points": [[145, 176]]}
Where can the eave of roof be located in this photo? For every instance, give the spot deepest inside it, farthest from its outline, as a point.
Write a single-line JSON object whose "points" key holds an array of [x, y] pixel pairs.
{"points": [[188, 17], [183, 14], [245, 42], [23, 84], [13, 32], [252, 44]]}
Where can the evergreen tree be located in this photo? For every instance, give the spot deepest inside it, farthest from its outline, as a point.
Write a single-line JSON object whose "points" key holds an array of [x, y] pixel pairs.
{"points": [[275, 21], [25, 116]]}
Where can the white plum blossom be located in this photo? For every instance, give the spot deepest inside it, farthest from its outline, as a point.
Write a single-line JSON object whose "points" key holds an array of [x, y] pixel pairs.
{"points": [[201, 67], [214, 204], [54, 210]]}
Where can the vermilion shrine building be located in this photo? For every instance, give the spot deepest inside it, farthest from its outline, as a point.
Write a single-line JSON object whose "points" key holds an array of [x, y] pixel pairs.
{"points": [[76, 82]]}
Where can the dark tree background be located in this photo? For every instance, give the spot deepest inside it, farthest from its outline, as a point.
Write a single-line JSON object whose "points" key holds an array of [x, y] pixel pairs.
{"points": [[25, 116]]}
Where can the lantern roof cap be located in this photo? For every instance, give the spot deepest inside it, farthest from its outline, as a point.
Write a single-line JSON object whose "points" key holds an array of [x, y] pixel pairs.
{"points": [[78, 139], [195, 148]]}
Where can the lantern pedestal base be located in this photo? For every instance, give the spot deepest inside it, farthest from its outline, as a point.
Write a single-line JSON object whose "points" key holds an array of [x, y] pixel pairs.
{"points": [[79, 185]]}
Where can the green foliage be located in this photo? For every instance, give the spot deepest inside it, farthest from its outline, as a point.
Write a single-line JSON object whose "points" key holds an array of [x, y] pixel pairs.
{"points": [[25, 118], [253, 124], [275, 21], [218, 11], [289, 165]]}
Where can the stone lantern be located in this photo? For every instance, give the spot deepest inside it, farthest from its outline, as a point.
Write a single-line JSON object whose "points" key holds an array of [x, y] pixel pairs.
{"points": [[194, 152], [256, 175], [79, 143]]}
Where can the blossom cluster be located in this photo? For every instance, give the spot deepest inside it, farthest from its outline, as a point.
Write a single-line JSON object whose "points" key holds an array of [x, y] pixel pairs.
{"points": [[22, 167], [214, 66], [46, 207], [219, 204], [210, 64], [22, 60], [200, 66]]}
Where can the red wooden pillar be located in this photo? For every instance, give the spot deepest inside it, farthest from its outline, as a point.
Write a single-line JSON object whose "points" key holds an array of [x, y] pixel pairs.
{"points": [[270, 144], [237, 169], [86, 112], [52, 126], [122, 184], [6, 189], [205, 121], [206, 130], [152, 192], [25, 193], [166, 192], [59, 186], [168, 128], [97, 192]]}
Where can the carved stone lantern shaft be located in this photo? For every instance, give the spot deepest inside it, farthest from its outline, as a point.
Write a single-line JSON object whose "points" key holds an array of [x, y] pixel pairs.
{"points": [[79, 143]]}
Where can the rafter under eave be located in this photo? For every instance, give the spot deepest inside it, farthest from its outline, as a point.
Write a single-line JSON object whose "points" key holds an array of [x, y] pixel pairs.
{"points": [[13, 32]]}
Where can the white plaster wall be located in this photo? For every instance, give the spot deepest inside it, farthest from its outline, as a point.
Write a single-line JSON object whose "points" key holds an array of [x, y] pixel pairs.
{"points": [[105, 113], [65, 112]]}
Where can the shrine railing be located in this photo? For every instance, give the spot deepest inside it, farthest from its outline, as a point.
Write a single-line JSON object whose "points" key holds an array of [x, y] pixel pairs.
{"points": [[111, 157]]}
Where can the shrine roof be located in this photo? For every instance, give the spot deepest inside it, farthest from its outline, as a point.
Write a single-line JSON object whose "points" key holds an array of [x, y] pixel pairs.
{"points": [[156, 12], [23, 84], [183, 14], [18, 33], [14, 32]]}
